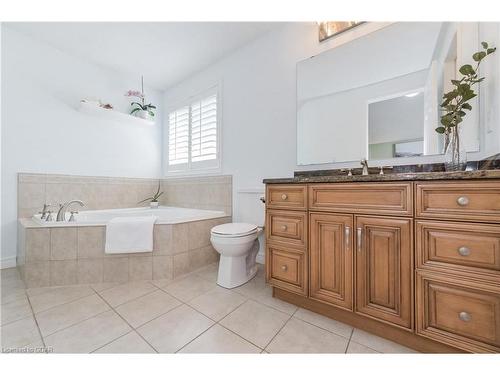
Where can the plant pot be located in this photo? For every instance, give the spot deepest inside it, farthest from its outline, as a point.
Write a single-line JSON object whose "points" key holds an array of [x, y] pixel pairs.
{"points": [[144, 115], [455, 155], [153, 204]]}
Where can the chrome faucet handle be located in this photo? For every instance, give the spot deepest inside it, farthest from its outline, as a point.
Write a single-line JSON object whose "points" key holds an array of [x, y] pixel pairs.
{"points": [[384, 167], [49, 217], [72, 217], [364, 163], [61, 214], [349, 171], [44, 211]]}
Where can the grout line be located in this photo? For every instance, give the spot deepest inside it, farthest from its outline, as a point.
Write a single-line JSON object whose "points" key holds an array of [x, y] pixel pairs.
{"points": [[66, 302], [182, 347], [125, 320], [325, 329], [349, 342], [36, 321], [277, 333], [74, 324]]}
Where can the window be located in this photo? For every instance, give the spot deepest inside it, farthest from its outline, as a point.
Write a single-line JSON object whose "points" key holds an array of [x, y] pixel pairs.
{"points": [[193, 135]]}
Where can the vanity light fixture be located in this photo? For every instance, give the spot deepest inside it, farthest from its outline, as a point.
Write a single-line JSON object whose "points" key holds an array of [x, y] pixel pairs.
{"points": [[327, 29], [411, 95]]}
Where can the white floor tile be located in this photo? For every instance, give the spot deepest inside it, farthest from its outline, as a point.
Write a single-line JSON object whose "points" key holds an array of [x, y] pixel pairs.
{"points": [[130, 343], [255, 322], [219, 340], [298, 336], [171, 331]]}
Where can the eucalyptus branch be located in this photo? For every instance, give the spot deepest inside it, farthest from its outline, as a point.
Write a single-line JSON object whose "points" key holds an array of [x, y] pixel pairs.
{"points": [[455, 102]]}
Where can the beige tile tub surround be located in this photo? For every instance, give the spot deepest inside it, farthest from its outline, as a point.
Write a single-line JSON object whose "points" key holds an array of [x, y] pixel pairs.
{"points": [[208, 192], [33, 190], [75, 255]]}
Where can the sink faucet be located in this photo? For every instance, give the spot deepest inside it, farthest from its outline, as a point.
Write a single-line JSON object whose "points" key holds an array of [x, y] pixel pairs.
{"points": [[364, 163], [61, 214]]}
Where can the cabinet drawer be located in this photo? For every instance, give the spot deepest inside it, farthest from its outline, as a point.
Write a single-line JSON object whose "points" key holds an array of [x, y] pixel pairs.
{"points": [[287, 226], [469, 201], [458, 247], [287, 196], [368, 198], [287, 268], [459, 313]]}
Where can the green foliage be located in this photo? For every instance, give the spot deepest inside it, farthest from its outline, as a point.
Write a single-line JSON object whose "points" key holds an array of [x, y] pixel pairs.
{"points": [[455, 102], [155, 197], [142, 107]]}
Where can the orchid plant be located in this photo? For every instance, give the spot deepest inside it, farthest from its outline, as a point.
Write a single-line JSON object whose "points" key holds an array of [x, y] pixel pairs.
{"points": [[140, 106], [155, 197]]}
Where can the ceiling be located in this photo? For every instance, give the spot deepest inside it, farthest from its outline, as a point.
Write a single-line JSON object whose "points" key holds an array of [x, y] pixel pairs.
{"points": [[164, 52]]}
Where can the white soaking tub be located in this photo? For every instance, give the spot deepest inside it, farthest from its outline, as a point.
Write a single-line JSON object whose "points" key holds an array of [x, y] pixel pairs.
{"points": [[165, 215]]}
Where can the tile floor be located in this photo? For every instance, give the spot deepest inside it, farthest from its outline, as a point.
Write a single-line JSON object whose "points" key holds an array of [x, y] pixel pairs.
{"points": [[187, 315]]}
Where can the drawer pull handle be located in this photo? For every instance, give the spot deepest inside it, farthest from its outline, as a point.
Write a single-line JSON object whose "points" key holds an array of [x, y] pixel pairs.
{"points": [[284, 268], [359, 233], [284, 228], [464, 316], [464, 251], [347, 238], [284, 197], [463, 201]]}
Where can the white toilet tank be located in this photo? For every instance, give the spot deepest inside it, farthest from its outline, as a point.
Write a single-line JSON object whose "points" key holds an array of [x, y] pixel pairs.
{"points": [[248, 208]]}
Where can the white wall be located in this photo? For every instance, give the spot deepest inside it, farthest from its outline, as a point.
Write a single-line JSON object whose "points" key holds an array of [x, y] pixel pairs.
{"points": [[258, 84], [43, 132]]}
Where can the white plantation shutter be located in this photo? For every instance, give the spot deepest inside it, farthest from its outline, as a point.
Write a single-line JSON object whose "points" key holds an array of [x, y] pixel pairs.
{"points": [[178, 136], [204, 129], [193, 136]]}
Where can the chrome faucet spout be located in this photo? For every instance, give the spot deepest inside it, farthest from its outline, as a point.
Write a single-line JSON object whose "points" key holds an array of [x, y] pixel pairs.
{"points": [[364, 163], [61, 214]]}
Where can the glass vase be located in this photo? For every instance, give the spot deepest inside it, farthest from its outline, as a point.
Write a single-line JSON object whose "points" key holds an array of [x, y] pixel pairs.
{"points": [[455, 155]]}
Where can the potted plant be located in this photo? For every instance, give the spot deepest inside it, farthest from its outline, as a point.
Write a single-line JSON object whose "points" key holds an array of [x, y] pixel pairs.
{"points": [[153, 201], [141, 109], [454, 105]]}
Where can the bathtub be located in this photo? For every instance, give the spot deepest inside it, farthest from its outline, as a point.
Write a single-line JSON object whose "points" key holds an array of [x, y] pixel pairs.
{"points": [[165, 215]]}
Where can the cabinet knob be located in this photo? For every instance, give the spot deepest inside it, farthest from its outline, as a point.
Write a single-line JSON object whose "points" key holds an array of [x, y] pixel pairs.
{"points": [[463, 201], [284, 227], [284, 197], [464, 251], [464, 316], [284, 267]]}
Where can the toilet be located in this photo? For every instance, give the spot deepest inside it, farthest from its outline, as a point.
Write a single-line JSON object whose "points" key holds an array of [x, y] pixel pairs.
{"points": [[238, 245]]}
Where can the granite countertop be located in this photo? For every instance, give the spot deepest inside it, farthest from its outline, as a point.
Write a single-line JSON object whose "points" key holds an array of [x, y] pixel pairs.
{"points": [[411, 176]]}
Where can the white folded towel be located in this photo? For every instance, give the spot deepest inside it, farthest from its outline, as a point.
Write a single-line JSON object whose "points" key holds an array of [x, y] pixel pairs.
{"points": [[130, 235]]}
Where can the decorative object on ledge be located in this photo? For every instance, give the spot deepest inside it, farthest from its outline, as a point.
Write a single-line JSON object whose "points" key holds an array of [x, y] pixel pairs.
{"points": [[153, 201], [141, 109], [109, 113], [454, 105], [328, 29]]}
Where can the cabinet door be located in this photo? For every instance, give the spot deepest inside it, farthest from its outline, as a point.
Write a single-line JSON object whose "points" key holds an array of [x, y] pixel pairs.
{"points": [[384, 264], [331, 259]]}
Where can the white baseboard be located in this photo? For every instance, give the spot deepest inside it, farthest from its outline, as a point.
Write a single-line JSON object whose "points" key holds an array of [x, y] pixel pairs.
{"points": [[8, 262]]}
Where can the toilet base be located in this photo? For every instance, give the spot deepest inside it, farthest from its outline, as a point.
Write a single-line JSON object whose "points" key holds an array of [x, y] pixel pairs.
{"points": [[236, 271]]}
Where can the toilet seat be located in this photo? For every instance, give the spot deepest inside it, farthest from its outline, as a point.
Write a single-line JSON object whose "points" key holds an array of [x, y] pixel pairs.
{"points": [[231, 230]]}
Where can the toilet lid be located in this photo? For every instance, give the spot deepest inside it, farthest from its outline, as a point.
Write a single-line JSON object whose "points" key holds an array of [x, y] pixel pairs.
{"points": [[234, 229]]}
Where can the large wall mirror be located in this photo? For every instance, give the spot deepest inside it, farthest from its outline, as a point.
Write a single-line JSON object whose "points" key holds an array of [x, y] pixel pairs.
{"points": [[378, 96]]}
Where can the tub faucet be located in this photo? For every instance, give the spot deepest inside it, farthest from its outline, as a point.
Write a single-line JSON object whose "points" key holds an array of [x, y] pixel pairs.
{"points": [[61, 214], [364, 163]]}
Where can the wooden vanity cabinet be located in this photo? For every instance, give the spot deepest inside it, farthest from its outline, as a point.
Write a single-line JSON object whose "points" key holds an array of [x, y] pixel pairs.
{"points": [[415, 262], [384, 269], [331, 256]]}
